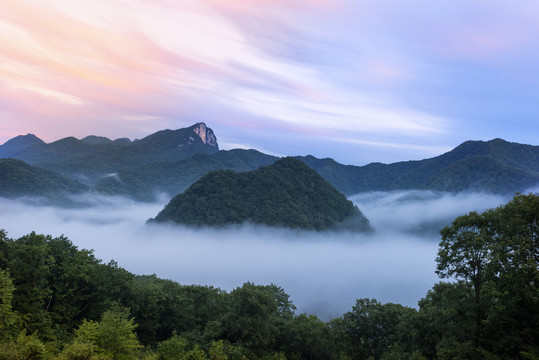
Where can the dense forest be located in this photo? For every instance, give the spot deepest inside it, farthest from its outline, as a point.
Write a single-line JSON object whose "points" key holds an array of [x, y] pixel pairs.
{"points": [[60, 302], [286, 193]]}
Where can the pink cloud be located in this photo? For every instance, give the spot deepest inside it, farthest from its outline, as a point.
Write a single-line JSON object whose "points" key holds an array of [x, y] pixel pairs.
{"points": [[99, 62], [56, 66]]}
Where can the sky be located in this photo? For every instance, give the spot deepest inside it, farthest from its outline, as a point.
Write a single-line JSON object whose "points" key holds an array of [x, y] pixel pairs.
{"points": [[359, 81]]}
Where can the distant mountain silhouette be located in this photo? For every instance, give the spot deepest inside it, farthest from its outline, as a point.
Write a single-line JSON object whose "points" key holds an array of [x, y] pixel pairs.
{"points": [[13, 146], [287, 193], [96, 140], [93, 156], [494, 166], [169, 161]]}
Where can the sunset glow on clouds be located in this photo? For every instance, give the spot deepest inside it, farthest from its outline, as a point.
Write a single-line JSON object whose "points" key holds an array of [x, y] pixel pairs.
{"points": [[358, 81]]}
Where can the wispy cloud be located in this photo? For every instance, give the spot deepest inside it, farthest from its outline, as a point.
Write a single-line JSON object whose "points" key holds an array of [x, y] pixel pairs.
{"points": [[372, 70]]}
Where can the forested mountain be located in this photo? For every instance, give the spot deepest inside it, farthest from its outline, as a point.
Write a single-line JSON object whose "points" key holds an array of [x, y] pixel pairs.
{"points": [[287, 193], [169, 161], [17, 178], [62, 303]]}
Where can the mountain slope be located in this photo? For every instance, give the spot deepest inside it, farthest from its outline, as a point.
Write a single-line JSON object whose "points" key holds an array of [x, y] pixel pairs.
{"points": [[17, 178], [143, 183], [287, 193]]}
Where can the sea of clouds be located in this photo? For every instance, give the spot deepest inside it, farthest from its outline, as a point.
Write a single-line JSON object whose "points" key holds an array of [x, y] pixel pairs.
{"points": [[324, 273]]}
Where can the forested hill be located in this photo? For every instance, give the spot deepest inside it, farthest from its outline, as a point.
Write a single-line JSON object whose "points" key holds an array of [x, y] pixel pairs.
{"points": [[287, 193]]}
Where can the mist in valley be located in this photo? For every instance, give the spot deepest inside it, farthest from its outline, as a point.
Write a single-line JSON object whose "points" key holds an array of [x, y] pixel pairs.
{"points": [[324, 273]]}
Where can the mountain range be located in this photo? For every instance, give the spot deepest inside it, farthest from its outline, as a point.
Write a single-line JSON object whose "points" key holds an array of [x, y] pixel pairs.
{"points": [[169, 161], [93, 157]]}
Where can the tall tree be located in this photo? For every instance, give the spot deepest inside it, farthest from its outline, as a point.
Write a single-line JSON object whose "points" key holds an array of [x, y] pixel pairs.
{"points": [[514, 320], [29, 263], [8, 317], [464, 253], [495, 256]]}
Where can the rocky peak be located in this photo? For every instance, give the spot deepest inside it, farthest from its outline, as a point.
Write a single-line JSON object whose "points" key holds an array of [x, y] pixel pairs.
{"points": [[205, 134]]}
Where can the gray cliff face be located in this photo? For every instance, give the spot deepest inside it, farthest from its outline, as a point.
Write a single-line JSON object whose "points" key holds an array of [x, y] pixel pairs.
{"points": [[205, 134]]}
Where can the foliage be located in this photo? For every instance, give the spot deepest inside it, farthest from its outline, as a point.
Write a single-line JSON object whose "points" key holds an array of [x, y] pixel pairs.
{"points": [[162, 307], [372, 328], [9, 319], [79, 351], [254, 316], [113, 337], [25, 347]]}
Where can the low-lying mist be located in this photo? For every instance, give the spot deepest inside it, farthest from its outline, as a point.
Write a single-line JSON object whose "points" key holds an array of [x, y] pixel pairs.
{"points": [[324, 273]]}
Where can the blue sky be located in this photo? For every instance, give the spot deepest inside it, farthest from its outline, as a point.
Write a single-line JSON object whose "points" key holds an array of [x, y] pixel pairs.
{"points": [[357, 81]]}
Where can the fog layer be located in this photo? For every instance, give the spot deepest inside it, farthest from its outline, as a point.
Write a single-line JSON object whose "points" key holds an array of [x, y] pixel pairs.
{"points": [[324, 273]]}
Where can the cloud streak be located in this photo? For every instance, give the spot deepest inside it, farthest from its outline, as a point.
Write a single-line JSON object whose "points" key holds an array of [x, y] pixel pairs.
{"points": [[324, 70]]}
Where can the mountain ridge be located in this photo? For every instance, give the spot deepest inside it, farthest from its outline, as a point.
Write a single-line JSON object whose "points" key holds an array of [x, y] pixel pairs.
{"points": [[169, 161], [93, 156]]}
